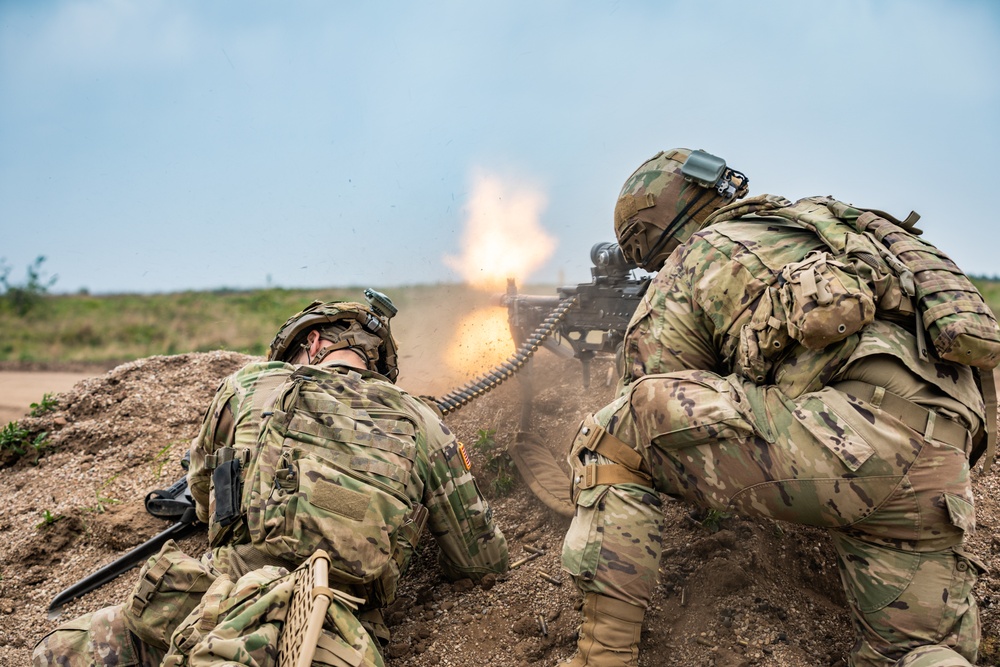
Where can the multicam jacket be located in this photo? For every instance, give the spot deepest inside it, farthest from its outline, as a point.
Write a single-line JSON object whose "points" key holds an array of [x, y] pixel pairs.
{"points": [[459, 517], [708, 292]]}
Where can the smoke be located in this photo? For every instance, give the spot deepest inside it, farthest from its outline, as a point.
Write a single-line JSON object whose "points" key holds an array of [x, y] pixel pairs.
{"points": [[503, 237]]}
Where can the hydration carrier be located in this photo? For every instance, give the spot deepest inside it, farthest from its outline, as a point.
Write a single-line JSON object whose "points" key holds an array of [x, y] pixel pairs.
{"points": [[907, 274], [333, 461]]}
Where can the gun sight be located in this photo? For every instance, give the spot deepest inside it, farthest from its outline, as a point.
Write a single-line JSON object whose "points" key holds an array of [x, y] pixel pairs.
{"points": [[609, 260]]}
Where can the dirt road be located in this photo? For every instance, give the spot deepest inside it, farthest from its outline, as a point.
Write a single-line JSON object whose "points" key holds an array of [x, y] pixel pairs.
{"points": [[19, 389]]}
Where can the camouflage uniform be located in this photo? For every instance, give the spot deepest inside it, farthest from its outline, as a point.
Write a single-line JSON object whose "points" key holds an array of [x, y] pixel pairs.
{"points": [[458, 517], [819, 438]]}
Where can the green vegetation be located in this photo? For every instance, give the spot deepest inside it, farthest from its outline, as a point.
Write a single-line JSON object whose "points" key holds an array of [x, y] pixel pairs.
{"points": [[713, 520], [990, 289], [48, 518], [498, 462], [116, 328], [22, 298], [20, 441], [47, 404], [103, 500]]}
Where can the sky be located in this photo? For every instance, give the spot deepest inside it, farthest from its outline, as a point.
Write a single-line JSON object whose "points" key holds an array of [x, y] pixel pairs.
{"points": [[160, 146]]}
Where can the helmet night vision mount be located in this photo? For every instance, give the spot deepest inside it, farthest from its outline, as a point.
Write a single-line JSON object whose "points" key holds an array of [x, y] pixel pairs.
{"points": [[709, 171]]}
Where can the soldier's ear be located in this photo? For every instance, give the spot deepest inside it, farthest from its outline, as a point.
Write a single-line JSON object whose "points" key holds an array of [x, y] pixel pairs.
{"points": [[313, 341]]}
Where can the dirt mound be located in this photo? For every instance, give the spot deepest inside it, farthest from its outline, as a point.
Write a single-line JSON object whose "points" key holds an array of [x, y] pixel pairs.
{"points": [[733, 591]]}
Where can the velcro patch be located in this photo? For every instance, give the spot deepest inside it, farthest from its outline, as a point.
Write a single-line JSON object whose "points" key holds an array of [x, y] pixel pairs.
{"points": [[339, 500]]}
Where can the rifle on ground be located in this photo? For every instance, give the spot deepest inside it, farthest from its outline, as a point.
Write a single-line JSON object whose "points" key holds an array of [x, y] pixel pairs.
{"points": [[174, 502]]}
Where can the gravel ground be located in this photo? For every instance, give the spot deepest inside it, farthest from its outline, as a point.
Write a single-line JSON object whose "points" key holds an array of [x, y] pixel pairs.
{"points": [[733, 592]]}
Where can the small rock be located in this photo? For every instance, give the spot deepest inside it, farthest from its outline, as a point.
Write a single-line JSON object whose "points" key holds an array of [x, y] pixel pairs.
{"points": [[397, 650]]}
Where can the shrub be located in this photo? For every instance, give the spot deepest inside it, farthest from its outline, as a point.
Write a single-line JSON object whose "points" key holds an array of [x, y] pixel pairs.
{"points": [[22, 298]]}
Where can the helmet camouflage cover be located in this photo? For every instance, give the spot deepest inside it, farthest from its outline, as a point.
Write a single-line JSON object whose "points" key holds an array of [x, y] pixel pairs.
{"points": [[669, 198], [346, 324]]}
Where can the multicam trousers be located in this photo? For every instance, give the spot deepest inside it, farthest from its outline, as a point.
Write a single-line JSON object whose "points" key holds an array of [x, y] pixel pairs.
{"points": [[897, 503]]}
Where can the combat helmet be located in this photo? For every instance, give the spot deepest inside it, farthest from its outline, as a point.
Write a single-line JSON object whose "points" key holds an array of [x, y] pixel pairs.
{"points": [[347, 324], [668, 198]]}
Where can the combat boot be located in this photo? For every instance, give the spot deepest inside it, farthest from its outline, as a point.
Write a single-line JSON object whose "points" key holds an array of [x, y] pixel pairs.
{"points": [[609, 636]]}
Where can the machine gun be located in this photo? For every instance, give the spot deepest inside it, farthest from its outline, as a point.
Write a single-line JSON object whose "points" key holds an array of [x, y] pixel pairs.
{"points": [[590, 317], [601, 313]]}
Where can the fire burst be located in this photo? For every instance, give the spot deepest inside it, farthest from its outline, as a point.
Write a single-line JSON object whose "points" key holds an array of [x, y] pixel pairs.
{"points": [[503, 238]]}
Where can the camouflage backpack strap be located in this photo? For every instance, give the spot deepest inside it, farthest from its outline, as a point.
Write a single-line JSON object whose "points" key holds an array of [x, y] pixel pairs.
{"points": [[988, 382], [954, 314], [759, 205], [265, 395], [230, 465]]}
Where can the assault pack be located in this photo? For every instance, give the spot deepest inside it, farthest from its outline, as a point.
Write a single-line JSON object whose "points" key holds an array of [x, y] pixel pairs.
{"points": [[875, 264], [330, 472], [950, 310]]}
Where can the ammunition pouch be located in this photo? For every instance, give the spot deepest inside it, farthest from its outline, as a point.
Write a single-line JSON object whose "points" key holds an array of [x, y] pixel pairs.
{"points": [[823, 301], [592, 442], [171, 584]]}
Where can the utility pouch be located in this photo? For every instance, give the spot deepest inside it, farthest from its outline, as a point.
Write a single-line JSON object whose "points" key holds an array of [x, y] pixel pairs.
{"points": [[764, 339], [228, 487], [824, 302], [171, 584]]}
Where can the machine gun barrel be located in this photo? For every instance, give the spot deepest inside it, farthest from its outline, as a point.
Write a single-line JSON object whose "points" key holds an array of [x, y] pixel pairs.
{"points": [[533, 300]]}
